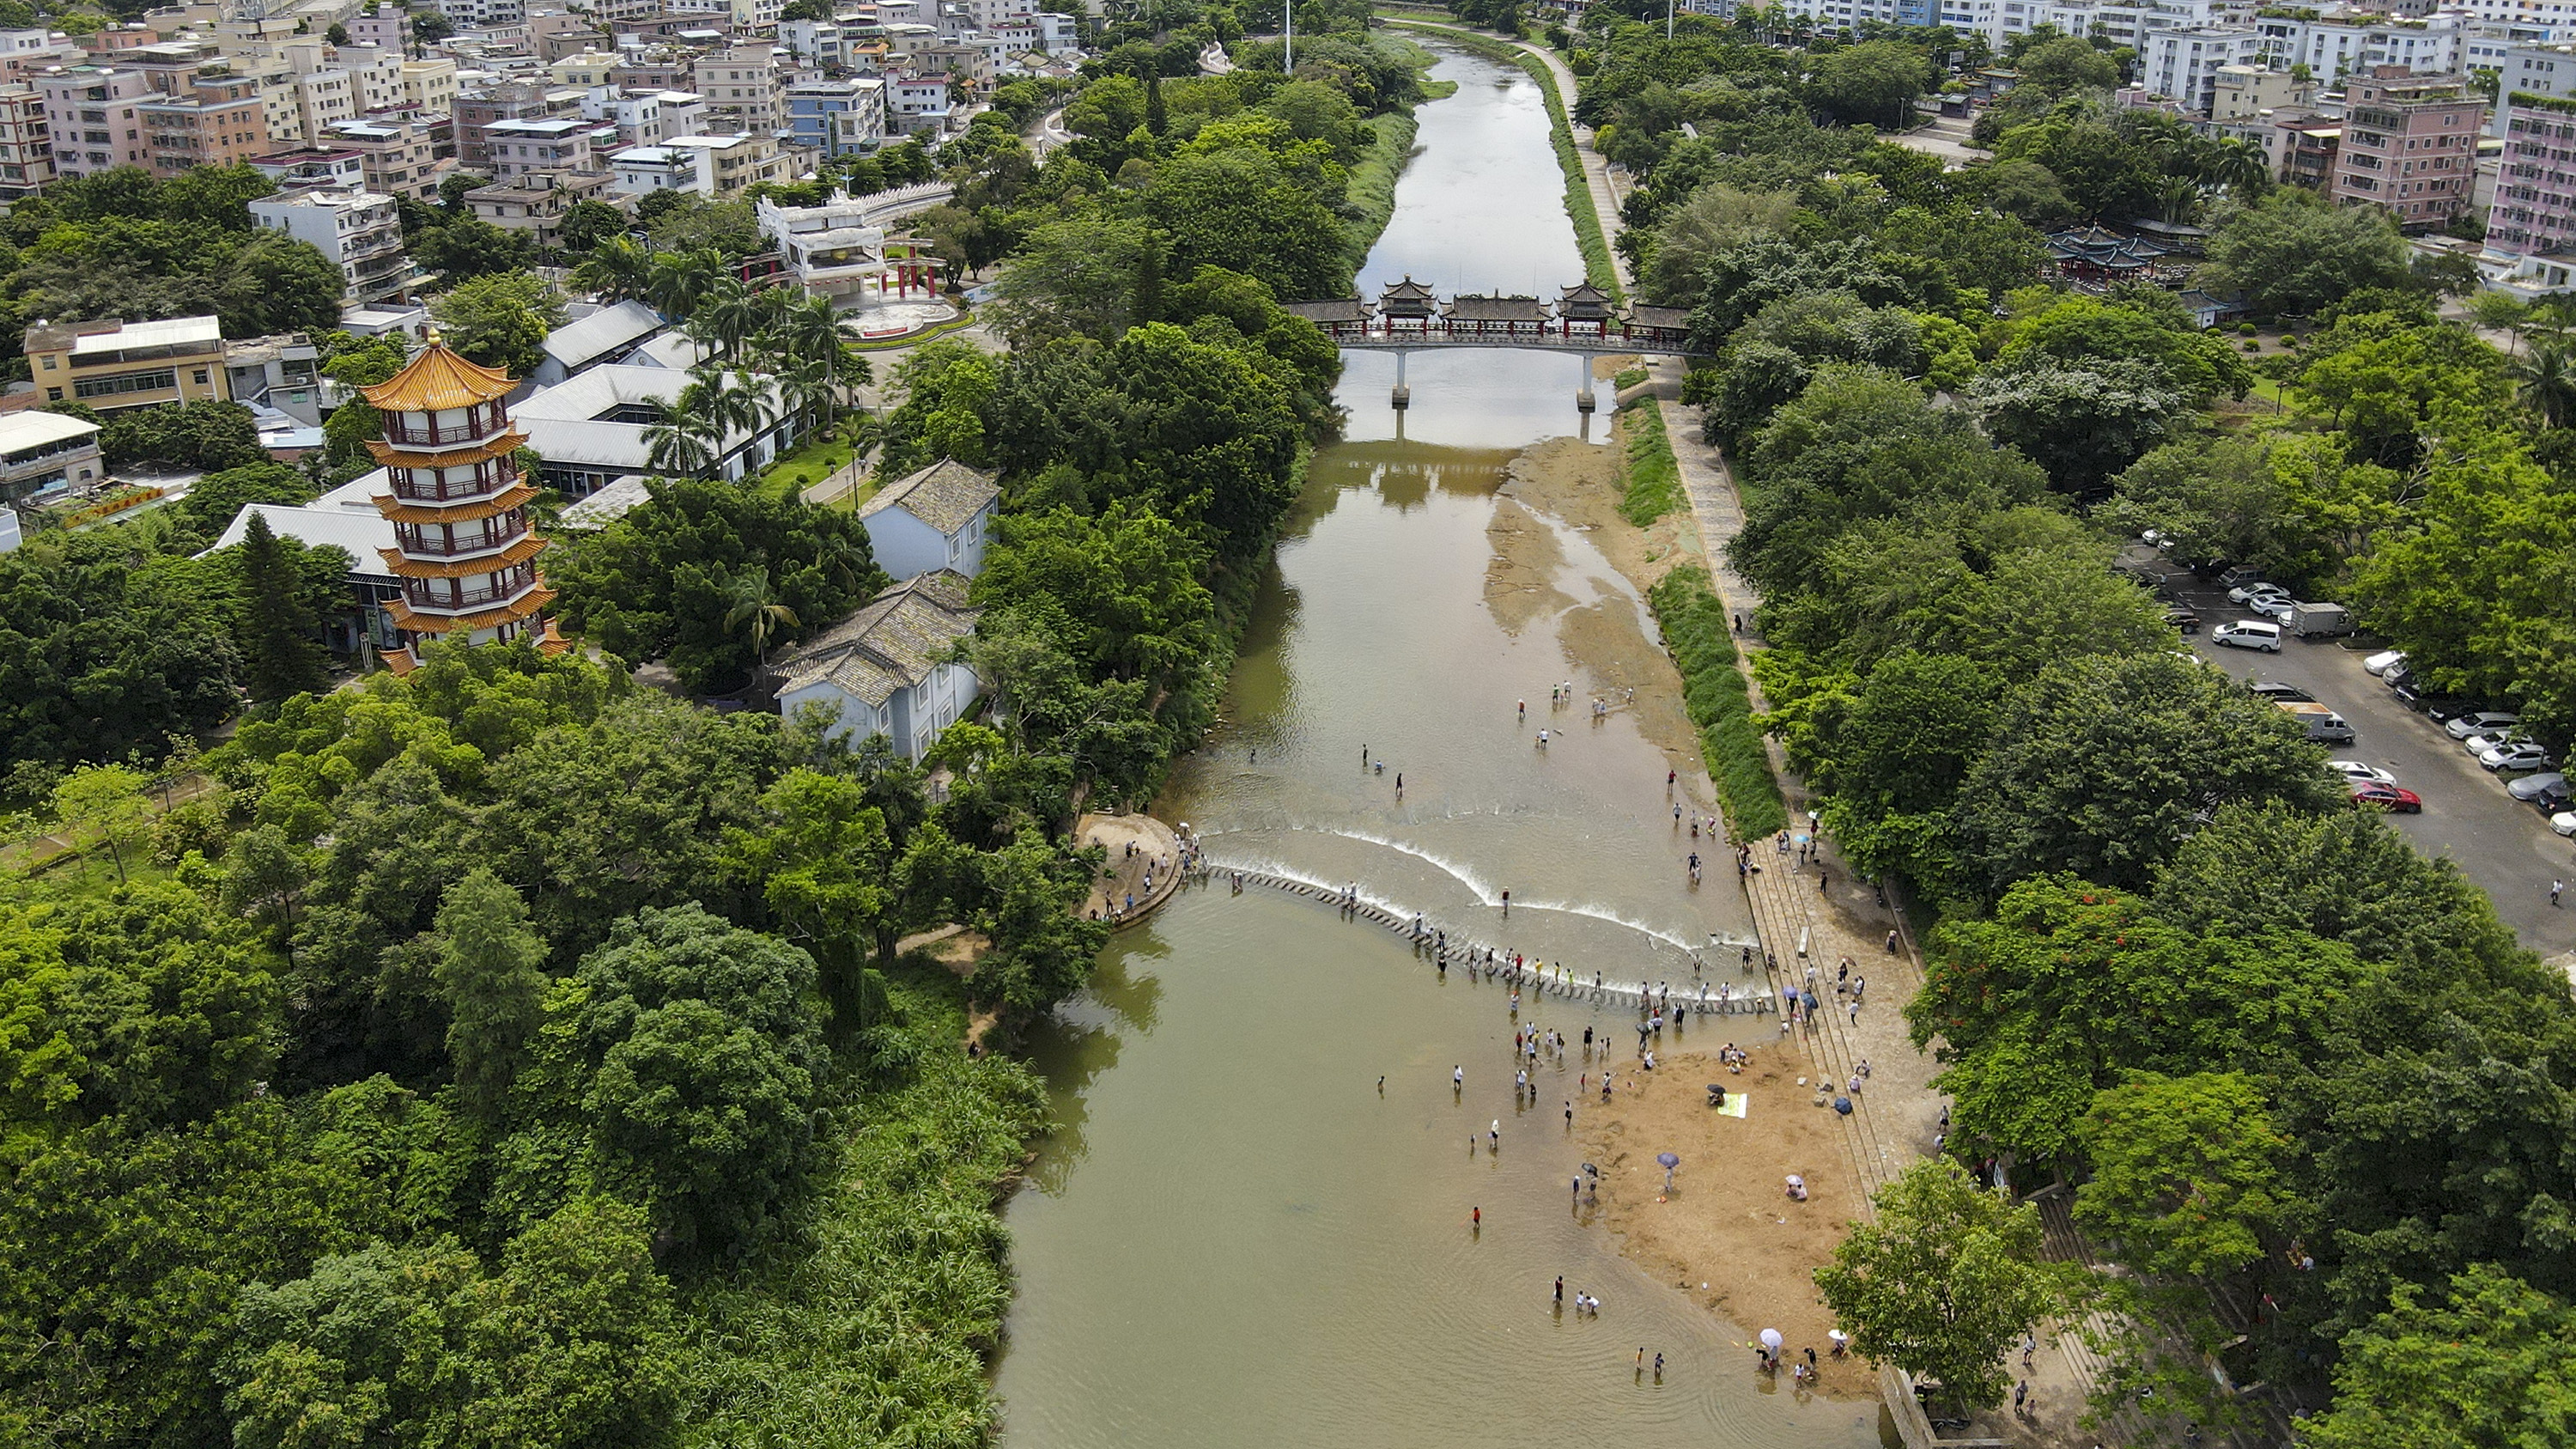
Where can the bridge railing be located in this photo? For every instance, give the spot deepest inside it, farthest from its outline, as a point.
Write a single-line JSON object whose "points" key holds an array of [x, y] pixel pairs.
{"points": [[1436, 333]]}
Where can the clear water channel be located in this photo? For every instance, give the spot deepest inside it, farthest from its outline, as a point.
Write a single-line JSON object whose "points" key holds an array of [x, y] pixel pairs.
{"points": [[1233, 1237]]}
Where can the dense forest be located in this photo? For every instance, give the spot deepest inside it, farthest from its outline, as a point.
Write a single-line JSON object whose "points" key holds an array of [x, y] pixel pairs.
{"points": [[2286, 1060]]}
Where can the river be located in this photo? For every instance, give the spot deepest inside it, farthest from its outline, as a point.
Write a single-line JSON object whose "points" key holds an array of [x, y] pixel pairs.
{"points": [[1235, 1236]]}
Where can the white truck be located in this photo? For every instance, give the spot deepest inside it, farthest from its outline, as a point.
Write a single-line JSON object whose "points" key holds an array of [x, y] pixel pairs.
{"points": [[2320, 621]]}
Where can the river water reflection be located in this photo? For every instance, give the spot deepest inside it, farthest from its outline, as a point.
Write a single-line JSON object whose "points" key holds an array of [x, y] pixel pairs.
{"points": [[1233, 1238]]}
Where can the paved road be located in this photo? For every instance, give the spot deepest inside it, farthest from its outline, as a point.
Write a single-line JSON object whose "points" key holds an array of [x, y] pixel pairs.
{"points": [[2501, 844]]}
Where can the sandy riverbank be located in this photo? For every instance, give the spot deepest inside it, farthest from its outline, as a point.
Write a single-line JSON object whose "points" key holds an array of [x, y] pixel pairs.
{"points": [[1729, 1223], [1578, 483]]}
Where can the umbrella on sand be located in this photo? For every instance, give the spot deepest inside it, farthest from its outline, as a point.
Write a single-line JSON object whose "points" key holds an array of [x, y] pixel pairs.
{"points": [[1670, 1162], [1771, 1342]]}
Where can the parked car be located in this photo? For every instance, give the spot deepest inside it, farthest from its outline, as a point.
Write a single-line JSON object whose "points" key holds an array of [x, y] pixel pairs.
{"points": [[2248, 634], [2532, 787], [2518, 755], [2416, 696], [2279, 693], [2553, 800], [2399, 677], [2361, 772], [2447, 708], [2274, 606], [2389, 797], [2239, 575], [2182, 619], [2476, 745], [2251, 592], [2384, 660], [2482, 722], [2564, 822]]}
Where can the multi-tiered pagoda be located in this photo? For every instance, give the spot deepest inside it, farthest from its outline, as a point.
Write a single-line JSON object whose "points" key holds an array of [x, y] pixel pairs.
{"points": [[465, 553]]}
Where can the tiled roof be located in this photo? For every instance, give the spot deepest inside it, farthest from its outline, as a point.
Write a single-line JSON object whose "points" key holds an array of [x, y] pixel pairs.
{"points": [[891, 643], [1672, 319], [1496, 309], [438, 379], [1337, 309], [946, 495]]}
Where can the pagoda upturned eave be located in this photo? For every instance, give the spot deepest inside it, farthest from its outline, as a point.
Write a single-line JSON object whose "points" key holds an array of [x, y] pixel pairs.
{"points": [[519, 551], [408, 618], [397, 509], [438, 380], [509, 438]]}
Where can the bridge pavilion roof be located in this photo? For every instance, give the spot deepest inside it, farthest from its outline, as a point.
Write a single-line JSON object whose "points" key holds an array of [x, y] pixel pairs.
{"points": [[1407, 298], [1660, 319], [1583, 302], [1472, 308], [1336, 310]]}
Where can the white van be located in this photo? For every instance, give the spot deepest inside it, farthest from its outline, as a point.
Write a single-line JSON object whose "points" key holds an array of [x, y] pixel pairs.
{"points": [[2323, 724], [2249, 634]]}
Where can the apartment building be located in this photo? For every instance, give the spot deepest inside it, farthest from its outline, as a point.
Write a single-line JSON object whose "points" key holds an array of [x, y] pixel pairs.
{"points": [[741, 87], [2183, 65], [218, 120], [919, 103], [89, 115], [113, 366], [837, 117], [2409, 146], [42, 455], [553, 144], [339, 167], [26, 142], [429, 86], [820, 43], [2534, 213], [476, 112], [398, 155], [2244, 92], [538, 203], [734, 162], [389, 28], [483, 14], [360, 231], [25, 52]]}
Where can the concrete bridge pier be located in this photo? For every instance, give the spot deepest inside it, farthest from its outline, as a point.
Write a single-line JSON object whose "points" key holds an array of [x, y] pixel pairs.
{"points": [[1583, 399], [1403, 394]]}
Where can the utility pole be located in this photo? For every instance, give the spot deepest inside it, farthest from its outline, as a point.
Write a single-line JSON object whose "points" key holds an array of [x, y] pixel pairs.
{"points": [[1668, 19], [1288, 60]]}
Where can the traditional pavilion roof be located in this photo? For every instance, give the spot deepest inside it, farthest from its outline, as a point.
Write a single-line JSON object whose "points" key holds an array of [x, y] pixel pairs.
{"points": [[1495, 309], [946, 495], [1583, 300], [2100, 246], [1407, 290], [1663, 319], [404, 510], [1332, 311], [438, 379], [1407, 298], [521, 549]]}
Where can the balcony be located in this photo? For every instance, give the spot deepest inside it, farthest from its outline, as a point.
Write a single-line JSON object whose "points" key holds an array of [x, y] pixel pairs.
{"points": [[487, 479], [418, 539], [453, 594], [404, 433]]}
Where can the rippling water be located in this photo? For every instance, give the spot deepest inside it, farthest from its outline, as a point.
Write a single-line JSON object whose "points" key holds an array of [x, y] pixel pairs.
{"points": [[1233, 1238]]}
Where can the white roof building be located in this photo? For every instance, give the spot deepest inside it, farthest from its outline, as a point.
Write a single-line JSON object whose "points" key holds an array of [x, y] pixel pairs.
{"points": [[590, 428], [604, 336], [831, 247]]}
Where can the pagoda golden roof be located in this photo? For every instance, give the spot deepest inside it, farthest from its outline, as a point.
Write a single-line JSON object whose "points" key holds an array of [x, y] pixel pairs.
{"points": [[524, 548], [438, 379], [398, 510], [519, 608], [400, 455]]}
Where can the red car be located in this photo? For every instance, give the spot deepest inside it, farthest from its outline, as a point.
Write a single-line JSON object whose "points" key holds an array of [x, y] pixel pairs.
{"points": [[2389, 797]]}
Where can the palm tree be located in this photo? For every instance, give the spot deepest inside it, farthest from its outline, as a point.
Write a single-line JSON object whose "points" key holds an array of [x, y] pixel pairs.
{"points": [[2240, 164], [675, 441], [617, 270], [2546, 383], [726, 317], [751, 607], [678, 281]]}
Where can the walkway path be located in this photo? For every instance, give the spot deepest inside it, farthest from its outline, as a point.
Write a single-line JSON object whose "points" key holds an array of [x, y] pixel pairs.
{"points": [[1134, 881]]}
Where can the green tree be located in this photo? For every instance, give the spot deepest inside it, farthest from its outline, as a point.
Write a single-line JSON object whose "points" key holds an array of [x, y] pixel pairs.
{"points": [[2185, 1171], [2294, 253], [491, 969], [1947, 1278], [699, 1052], [825, 865], [589, 224], [466, 247], [2055, 793], [1873, 83], [2066, 64], [2490, 1360], [500, 321], [279, 653], [111, 802]]}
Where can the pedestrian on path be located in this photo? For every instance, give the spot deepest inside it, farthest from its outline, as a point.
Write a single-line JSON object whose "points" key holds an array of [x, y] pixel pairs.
{"points": [[2557, 888]]}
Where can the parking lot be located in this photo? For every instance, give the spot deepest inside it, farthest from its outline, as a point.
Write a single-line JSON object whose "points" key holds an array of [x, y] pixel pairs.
{"points": [[2503, 845]]}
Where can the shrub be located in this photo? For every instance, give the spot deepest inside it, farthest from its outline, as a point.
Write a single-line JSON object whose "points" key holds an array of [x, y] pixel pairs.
{"points": [[1694, 622]]}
